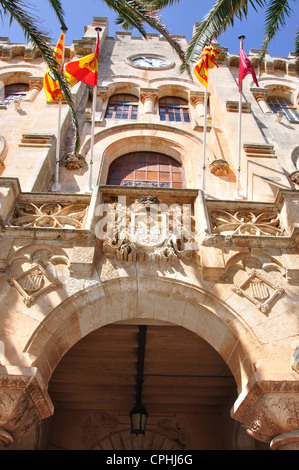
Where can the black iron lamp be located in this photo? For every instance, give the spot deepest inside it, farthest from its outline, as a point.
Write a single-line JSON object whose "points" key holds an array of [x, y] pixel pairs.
{"points": [[138, 413], [138, 419]]}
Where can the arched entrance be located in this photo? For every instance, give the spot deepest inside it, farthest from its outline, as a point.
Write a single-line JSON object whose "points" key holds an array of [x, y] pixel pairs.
{"points": [[187, 391], [196, 332]]}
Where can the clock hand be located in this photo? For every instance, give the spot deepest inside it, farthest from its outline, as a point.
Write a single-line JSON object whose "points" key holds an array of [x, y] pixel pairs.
{"points": [[148, 60]]}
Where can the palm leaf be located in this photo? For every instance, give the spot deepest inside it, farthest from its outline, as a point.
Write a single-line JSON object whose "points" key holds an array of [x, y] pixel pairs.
{"points": [[17, 11], [218, 19], [297, 45], [57, 7], [276, 14]]}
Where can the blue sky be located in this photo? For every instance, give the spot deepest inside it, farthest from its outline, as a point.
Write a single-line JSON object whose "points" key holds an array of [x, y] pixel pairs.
{"points": [[179, 19]]}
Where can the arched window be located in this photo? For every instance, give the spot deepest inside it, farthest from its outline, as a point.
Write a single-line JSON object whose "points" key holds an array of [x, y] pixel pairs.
{"points": [[15, 91], [285, 106], [122, 107], [150, 169], [175, 109]]}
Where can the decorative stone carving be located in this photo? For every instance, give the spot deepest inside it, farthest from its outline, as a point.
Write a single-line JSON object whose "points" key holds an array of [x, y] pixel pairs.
{"points": [[74, 161], [219, 167], [24, 402], [258, 290], [245, 222], [33, 283], [52, 215], [125, 440], [269, 409], [294, 177], [147, 231]]}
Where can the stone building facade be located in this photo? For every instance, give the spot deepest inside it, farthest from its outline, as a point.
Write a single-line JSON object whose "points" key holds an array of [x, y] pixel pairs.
{"points": [[208, 279]]}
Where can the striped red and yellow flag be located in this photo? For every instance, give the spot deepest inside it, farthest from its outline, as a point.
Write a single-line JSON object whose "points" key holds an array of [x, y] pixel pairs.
{"points": [[205, 62], [51, 85], [85, 69]]}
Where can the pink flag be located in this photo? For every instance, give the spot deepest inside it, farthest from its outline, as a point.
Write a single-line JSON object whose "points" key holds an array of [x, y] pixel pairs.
{"points": [[245, 68]]}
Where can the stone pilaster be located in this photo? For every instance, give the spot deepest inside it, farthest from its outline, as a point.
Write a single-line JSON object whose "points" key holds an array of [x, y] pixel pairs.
{"points": [[149, 98]]}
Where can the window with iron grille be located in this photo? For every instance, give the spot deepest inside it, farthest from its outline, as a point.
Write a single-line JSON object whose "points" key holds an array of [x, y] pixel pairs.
{"points": [[283, 105], [146, 169], [175, 109], [15, 91], [122, 107]]}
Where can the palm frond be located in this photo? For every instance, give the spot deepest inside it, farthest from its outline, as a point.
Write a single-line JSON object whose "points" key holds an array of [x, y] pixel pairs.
{"points": [[218, 19], [58, 9], [297, 44], [135, 13], [17, 11], [276, 15]]}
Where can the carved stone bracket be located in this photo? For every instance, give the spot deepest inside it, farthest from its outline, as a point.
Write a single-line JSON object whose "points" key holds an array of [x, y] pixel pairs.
{"points": [[74, 161], [270, 409], [219, 167], [24, 402]]}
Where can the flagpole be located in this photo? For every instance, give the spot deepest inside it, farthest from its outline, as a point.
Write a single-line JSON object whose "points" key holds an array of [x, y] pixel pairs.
{"points": [[56, 186], [238, 195], [204, 139], [94, 102]]}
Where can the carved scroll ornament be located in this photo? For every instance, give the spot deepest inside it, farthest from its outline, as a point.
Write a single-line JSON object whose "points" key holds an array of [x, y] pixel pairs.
{"points": [[51, 215], [245, 222]]}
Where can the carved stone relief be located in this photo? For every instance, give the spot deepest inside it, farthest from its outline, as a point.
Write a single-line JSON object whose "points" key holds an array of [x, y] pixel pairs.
{"points": [[245, 222], [147, 230], [269, 409], [24, 403], [33, 282], [260, 291], [38, 273], [52, 215], [74, 161]]}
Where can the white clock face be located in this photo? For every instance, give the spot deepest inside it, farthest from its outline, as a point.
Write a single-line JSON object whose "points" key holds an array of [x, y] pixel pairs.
{"points": [[149, 62]]}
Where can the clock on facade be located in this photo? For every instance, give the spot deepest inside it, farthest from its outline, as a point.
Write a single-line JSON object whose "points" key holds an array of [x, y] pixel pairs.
{"points": [[149, 61]]}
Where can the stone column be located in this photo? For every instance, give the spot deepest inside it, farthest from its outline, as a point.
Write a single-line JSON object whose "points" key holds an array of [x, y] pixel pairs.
{"points": [[197, 100], [260, 95], [269, 412], [35, 86], [24, 402], [149, 98]]}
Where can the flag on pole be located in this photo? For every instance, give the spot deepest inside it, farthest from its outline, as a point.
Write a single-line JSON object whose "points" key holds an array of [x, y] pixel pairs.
{"points": [[85, 69], [51, 85], [245, 68], [206, 61]]}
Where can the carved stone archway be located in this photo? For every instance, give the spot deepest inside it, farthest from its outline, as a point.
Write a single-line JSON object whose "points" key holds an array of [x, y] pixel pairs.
{"points": [[266, 409]]}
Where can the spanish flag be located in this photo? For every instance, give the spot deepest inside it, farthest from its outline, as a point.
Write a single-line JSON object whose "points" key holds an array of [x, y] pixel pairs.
{"points": [[85, 69], [51, 85], [206, 61]]}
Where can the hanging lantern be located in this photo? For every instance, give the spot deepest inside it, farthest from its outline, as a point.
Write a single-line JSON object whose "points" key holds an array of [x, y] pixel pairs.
{"points": [[138, 419]]}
